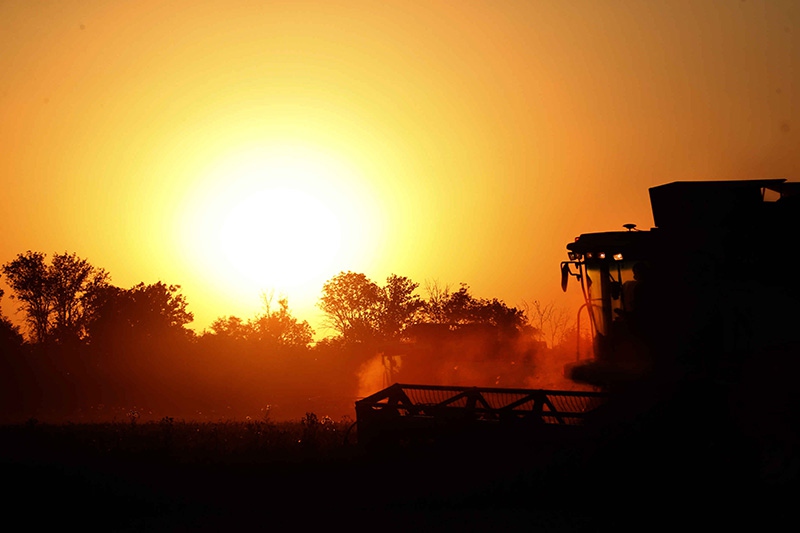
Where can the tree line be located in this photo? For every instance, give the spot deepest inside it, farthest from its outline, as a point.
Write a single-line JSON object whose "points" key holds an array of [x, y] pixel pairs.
{"points": [[69, 300], [86, 341]]}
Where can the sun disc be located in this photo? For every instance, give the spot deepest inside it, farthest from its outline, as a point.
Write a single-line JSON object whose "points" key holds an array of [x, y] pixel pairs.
{"points": [[279, 237]]}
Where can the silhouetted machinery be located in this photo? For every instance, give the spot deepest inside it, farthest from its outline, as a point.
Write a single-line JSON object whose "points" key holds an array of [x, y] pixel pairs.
{"points": [[701, 294], [693, 325]]}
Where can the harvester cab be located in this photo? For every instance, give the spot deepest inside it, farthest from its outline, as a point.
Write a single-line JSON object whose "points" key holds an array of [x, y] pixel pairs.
{"points": [[612, 269]]}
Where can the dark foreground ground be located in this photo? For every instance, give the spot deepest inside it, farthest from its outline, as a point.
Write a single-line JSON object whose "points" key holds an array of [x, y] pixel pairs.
{"points": [[258, 476]]}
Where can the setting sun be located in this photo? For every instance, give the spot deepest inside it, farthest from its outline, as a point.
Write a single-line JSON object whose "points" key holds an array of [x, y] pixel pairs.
{"points": [[278, 217]]}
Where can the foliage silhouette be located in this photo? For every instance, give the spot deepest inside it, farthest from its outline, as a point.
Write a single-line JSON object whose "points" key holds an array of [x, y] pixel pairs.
{"points": [[400, 307], [154, 312], [274, 328], [359, 310], [352, 303], [57, 297], [460, 308], [555, 324]]}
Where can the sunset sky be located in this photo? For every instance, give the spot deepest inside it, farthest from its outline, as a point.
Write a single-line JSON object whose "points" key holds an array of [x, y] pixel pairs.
{"points": [[235, 147]]}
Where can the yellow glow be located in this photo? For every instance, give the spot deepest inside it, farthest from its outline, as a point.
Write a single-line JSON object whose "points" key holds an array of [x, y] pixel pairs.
{"points": [[281, 217], [462, 142]]}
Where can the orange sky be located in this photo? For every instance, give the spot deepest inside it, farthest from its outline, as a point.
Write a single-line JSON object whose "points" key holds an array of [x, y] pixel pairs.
{"points": [[450, 141]]}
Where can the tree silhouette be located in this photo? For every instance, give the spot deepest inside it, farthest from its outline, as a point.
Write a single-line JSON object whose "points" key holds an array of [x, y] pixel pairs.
{"points": [[142, 313], [434, 305], [275, 328], [231, 328], [73, 281], [352, 303], [553, 323], [462, 308], [57, 297], [160, 308], [27, 277], [399, 306], [280, 328], [361, 311]]}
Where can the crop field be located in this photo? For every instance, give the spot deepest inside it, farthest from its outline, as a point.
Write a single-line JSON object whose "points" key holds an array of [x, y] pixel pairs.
{"points": [[175, 475]]}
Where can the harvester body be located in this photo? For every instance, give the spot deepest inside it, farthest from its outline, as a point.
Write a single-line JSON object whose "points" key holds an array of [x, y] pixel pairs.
{"points": [[704, 293]]}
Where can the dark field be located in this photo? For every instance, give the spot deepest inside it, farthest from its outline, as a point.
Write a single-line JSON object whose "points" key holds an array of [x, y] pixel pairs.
{"points": [[311, 474]]}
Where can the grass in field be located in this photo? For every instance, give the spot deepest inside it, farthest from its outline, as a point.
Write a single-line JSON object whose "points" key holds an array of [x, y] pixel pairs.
{"points": [[180, 440]]}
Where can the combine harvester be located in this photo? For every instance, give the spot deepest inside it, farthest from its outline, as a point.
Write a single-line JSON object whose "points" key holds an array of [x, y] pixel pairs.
{"points": [[694, 337]]}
